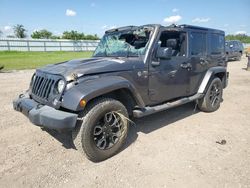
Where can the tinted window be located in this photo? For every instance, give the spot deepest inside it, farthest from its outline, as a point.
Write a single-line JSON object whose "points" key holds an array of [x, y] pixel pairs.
{"points": [[217, 44], [174, 39], [198, 43]]}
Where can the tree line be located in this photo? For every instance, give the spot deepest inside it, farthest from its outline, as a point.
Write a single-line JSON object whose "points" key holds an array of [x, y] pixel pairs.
{"points": [[241, 37], [21, 32]]}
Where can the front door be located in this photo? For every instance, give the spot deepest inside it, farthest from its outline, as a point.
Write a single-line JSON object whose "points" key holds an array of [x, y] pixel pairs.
{"points": [[169, 78]]}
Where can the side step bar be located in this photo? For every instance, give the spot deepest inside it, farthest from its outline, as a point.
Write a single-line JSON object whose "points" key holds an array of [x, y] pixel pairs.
{"points": [[153, 109]]}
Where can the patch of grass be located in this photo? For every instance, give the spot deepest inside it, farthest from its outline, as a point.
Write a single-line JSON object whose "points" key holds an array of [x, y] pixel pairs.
{"points": [[12, 60]]}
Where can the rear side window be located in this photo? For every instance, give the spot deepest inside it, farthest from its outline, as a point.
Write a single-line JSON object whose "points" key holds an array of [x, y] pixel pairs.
{"points": [[198, 43], [217, 44]]}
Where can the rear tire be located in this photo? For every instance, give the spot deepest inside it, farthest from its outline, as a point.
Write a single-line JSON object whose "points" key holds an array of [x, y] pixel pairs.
{"points": [[213, 97], [103, 129]]}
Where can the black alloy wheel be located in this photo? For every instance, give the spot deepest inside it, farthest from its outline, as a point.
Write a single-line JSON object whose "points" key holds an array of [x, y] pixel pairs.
{"points": [[108, 130]]}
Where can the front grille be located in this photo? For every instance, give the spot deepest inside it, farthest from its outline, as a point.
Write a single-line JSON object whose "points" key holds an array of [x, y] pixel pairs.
{"points": [[42, 86]]}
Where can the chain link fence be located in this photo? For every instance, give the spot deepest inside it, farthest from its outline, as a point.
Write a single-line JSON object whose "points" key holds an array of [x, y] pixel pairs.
{"points": [[44, 45], [15, 44]]}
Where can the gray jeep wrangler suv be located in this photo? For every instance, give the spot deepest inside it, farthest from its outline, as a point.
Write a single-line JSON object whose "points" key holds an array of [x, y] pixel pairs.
{"points": [[135, 71], [234, 49]]}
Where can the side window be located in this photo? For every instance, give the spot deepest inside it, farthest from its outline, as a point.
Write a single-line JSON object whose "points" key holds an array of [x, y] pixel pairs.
{"points": [[175, 40], [217, 44], [198, 43]]}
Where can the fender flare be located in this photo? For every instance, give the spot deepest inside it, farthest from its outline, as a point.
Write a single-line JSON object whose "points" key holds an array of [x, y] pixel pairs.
{"points": [[209, 75], [93, 88]]}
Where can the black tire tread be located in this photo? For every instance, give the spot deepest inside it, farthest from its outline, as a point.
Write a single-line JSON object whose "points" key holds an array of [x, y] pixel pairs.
{"points": [[203, 104], [79, 133]]}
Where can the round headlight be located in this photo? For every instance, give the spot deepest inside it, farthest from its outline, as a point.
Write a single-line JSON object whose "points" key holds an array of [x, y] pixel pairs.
{"points": [[60, 86], [33, 79]]}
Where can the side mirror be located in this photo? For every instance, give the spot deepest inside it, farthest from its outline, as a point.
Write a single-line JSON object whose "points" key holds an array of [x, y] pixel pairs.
{"points": [[164, 53]]}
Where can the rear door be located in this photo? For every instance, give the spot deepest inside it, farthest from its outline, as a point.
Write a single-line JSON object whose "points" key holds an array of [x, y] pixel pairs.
{"points": [[198, 58]]}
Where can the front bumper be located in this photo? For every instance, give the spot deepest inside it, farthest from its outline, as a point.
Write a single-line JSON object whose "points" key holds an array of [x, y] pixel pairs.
{"points": [[44, 116]]}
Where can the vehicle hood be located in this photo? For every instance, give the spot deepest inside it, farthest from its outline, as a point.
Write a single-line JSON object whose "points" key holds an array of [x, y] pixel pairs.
{"points": [[91, 66]]}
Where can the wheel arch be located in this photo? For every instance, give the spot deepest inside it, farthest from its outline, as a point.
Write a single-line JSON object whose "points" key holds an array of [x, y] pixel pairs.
{"points": [[113, 87], [219, 72], [124, 95]]}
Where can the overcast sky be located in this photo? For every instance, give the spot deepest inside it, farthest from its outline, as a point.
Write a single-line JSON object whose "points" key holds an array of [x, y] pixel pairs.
{"points": [[96, 16]]}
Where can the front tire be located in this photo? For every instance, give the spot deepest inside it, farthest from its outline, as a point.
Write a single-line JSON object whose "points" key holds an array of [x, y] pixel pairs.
{"points": [[103, 129], [213, 97]]}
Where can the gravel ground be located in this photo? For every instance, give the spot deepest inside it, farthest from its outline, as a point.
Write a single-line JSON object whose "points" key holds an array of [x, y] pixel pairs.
{"points": [[175, 148]]}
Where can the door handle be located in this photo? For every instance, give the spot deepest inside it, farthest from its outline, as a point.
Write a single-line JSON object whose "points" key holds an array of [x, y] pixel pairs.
{"points": [[155, 63], [203, 61], [186, 66], [172, 73]]}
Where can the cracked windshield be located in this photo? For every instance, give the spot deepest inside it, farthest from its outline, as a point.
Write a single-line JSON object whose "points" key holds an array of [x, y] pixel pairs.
{"points": [[125, 43]]}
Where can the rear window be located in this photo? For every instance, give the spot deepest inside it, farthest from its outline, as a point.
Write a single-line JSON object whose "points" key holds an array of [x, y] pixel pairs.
{"points": [[217, 44]]}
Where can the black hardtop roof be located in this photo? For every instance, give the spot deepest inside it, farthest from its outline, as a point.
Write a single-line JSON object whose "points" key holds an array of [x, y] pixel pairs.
{"points": [[183, 26]]}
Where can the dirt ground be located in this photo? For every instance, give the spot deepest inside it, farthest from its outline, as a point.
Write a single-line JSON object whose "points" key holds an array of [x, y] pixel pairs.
{"points": [[175, 148]]}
